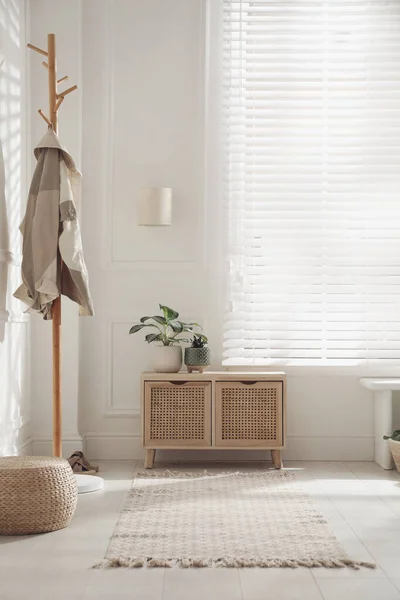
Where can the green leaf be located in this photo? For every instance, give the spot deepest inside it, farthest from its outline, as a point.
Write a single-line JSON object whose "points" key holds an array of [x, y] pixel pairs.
{"points": [[143, 319], [200, 335], [137, 328], [159, 319], [169, 313], [176, 326], [153, 337], [386, 437], [199, 340]]}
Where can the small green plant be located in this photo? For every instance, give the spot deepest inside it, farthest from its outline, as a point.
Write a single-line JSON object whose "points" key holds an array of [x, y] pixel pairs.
{"points": [[168, 328], [199, 341], [395, 436]]}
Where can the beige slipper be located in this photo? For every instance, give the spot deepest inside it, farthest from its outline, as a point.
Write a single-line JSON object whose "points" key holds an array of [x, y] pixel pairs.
{"points": [[79, 464]]}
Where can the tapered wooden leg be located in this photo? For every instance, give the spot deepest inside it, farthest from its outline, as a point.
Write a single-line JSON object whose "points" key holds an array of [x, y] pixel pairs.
{"points": [[149, 461], [276, 459]]}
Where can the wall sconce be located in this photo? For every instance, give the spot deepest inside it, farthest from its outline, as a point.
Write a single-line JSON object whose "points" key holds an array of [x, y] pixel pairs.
{"points": [[155, 206]]}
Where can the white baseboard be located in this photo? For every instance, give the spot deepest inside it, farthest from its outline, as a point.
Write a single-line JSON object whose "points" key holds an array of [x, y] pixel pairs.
{"points": [[104, 446], [330, 448], [43, 446], [25, 448]]}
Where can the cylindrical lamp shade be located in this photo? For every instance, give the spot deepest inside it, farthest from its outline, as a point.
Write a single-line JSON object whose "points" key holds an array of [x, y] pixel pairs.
{"points": [[155, 206]]}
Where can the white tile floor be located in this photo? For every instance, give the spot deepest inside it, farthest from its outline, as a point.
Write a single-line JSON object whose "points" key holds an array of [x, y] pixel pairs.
{"points": [[360, 500]]}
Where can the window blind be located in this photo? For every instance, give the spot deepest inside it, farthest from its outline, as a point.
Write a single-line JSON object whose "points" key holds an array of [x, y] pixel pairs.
{"points": [[311, 181]]}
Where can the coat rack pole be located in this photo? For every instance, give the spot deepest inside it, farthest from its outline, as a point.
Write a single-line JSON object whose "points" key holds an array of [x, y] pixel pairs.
{"points": [[55, 101], [56, 310], [84, 482]]}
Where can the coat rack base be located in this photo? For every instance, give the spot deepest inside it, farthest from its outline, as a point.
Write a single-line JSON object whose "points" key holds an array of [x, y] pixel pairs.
{"points": [[89, 483]]}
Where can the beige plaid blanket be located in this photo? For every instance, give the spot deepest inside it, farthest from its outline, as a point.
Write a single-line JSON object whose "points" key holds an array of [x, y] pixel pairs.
{"points": [[53, 261]]}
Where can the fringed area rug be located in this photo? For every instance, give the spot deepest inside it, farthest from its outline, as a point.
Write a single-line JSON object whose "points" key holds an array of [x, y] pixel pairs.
{"points": [[259, 519]]}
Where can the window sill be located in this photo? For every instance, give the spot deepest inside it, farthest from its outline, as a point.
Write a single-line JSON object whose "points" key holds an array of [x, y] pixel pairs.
{"points": [[322, 370]]}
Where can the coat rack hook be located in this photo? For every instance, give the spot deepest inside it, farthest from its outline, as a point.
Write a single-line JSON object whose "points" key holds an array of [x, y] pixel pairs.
{"points": [[68, 91], [41, 113], [36, 49], [45, 64], [57, 106], [62, 79]]}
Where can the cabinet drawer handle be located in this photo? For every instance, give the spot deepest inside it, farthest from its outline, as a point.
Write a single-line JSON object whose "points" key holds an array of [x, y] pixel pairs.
{"points": [[248, 382], [178, 382]]}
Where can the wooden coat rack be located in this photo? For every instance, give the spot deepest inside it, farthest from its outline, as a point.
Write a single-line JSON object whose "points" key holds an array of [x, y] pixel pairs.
{"points": [[55, 101]]}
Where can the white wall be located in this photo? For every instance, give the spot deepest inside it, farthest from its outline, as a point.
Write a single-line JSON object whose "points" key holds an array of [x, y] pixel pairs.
{"points": [[143, 61], [14, 325], [143, 82], [142, 125]]}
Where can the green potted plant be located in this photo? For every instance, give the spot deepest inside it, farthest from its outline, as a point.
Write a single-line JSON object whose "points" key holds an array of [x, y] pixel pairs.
{"points": [[394, 445], [198, 356], [167, 353]]}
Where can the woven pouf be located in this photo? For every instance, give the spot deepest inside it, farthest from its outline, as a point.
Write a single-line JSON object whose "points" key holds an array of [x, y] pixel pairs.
{"points": [[37, 494]]}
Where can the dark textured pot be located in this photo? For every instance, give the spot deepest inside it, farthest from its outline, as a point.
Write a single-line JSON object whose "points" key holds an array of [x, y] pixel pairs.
{"points": [[197, 357]]}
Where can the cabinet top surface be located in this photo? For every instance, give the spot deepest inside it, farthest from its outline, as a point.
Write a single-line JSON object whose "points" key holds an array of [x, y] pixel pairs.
{"points": [[213, 375]]}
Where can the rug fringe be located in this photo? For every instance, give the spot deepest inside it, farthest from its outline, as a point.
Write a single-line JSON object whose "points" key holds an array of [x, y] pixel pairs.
{"points": [[228, 562], [174, 474], [190, 474]]}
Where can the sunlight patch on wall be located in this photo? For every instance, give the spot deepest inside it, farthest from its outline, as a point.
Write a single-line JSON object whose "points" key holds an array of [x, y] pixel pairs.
{"points": [[14, 334]]}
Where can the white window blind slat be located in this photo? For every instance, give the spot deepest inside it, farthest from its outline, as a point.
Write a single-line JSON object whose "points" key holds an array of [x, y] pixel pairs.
{"points": [[311, 181]]}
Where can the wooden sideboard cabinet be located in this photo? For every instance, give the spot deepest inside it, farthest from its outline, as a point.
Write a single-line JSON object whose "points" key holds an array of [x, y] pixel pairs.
{"points": [[213, 410]]}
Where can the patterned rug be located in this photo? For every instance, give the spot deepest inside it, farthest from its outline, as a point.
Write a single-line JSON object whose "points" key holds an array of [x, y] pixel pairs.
{"points": [[233, 519]]}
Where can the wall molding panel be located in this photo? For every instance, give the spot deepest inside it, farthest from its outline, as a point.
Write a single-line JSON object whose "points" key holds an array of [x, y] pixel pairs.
{"points": [[112, 409], [111, 121]]}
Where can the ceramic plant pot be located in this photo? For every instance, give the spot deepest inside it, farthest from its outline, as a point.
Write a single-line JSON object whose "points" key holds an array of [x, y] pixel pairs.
{"points": [[166, 359], [197, 359]]}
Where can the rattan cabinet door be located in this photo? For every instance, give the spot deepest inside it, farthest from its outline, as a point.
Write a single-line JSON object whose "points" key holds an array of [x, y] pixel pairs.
{"points": [[249, 414], [177, 414]]}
